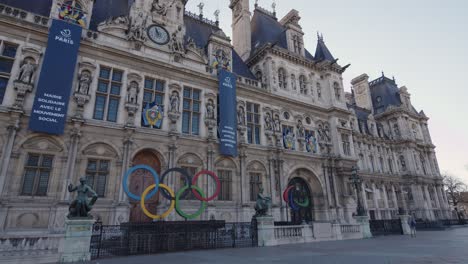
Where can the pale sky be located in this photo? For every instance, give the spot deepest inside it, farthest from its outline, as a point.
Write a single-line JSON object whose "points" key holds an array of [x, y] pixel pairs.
{"points": [[423, 43]]}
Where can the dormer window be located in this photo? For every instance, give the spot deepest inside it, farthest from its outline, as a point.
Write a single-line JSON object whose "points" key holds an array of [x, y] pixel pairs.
{"points": [[282, 79], [72, 11], [297, 44], [337, 89]]}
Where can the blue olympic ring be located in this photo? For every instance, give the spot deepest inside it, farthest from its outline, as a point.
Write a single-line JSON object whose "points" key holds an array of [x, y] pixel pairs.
{"points": [[132, 170], [291, 202]]}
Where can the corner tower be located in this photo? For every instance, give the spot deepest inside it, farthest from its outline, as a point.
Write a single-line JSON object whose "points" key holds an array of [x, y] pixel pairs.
{"points": [[241, 32]]}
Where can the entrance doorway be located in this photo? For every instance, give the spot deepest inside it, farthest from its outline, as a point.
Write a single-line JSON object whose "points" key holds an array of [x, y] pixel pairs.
{"points": [[301, 193], [140, 180]]}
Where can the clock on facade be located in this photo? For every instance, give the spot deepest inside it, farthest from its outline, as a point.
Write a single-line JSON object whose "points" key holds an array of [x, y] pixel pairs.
{"points": [[158, 34]]}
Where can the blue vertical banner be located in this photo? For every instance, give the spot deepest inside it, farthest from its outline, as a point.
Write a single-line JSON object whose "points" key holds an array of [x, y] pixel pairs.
{"points": [[227, 113], [49, 112]]}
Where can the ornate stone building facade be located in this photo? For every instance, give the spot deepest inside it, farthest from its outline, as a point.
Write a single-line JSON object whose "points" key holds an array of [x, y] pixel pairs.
{"points": [[296, 124]]}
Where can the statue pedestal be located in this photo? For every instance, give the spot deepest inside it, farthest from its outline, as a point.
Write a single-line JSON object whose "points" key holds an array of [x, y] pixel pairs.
{"points": [[76, 244], [404, 224], [365, 227], [266, 231]]}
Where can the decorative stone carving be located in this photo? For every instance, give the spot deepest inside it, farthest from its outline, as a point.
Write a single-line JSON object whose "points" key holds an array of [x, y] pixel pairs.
{"points": [[268, 122], [132, 109], [175, 102], [81, 95], [132, 93], [27, 71], [84, 82], [177, 41], [300, 129], [241, 116], [210, 109], [160, 8], [81, 207], [137, 26], [277, 123]]}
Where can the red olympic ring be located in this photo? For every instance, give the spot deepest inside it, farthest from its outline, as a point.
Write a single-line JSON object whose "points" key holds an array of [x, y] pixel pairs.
{"points": [[218, 185], [286, 192]]}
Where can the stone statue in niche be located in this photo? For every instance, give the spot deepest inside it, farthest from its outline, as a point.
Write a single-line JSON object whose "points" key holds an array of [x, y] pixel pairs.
{"points": [[27, 70], [403, 163], [277, 123], [300, 129], [326, 131], [132, 93], [241, 116], [137, 27], [84, 82], [175, 101], [160, 8], [177, 42], [263, 204], [210, 110], [81, 206], [268, 122]]}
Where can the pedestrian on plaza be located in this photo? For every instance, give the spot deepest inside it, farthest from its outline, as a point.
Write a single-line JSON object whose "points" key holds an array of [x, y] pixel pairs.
{"points": [[412, 224]]}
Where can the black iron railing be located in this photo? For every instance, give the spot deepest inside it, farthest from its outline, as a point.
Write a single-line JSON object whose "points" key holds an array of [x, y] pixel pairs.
{"points": [[159, 237], [386, 227]]}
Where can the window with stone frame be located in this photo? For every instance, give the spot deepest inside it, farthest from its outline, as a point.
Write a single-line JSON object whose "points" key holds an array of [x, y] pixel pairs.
{"points": [[97, 172], [225, 179], [253, 123], [346, 144], [154, 92], [303, 85], [37, 172], [282, 82], [7, 59], [107, 102], [255, 185], [191, 111], [319, 91], [297, 44], [337, 89]]}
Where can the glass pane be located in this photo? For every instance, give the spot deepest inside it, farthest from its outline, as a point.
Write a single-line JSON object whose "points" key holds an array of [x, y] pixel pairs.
{"points": [[104, 165], [33, 160], [149, 83], [257, 119], [147, 97], [104, 73], [47, 161], [160, 86], [5, 65], [196, 107], [159, 99], [117, 76], [3, 85], [115, 89], [113, 108], [257, 135], [99, 107], [90, 180], [186, 123], [187, 93], [256, 108], [101, 185], [187, 105], [249, 118], [195, 124], [9, 50], [249, 134], [196, 95], [102, 86], [43, 182], [28, 182], [92, 165]]}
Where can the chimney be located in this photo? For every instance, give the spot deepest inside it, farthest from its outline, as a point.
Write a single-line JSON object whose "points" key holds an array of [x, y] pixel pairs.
{"points": [[241, 31]]}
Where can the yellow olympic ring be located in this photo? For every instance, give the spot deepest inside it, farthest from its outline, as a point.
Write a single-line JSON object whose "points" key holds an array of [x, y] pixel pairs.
{"points": [[148, 213]]}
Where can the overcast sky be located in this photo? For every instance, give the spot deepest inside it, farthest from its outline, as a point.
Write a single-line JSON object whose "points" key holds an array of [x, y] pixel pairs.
{"points": [[423, 43]]}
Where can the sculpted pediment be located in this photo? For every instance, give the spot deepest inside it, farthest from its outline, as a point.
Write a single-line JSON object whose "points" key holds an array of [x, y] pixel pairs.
{"points": [[42, 143], [102, 150]]}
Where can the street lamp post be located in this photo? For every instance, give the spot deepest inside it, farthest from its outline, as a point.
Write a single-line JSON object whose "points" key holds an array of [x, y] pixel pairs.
{"points": [[357, 184]]}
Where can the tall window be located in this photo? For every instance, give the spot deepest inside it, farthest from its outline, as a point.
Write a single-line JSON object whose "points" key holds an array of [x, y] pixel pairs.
{"points": [[225, 178], [282, 78], [153, 93], [192, 109], [255, 185], [253, 123], [108, 94], [297, 44], [346, 144], [97, 172], [319, 91], [7, 58], [36, 174], [337, 89], [302, 84]]}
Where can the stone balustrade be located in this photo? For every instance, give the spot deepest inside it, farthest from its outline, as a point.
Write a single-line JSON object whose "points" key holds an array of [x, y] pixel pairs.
{"points": [[23, 15], [30, 248]]}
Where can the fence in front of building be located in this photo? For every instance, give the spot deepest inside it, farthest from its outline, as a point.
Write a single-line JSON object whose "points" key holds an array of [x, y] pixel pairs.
{"points": [[386, 227]]}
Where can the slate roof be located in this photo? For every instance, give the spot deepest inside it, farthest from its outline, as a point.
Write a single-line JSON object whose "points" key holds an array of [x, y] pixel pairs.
{"points": [[322, 52], [41, 7], [104, 9], [387, 90]]}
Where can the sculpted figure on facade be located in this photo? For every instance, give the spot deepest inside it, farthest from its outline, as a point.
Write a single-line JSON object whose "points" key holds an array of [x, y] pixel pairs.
{"points": [[81, 206], [241, 116], [300, 129], [137, 27], [177, 42], [277, 123], [175, 101], [210, 110], [27, 70], [160, 8], [268, 122], [84, 82], [132, 96]]}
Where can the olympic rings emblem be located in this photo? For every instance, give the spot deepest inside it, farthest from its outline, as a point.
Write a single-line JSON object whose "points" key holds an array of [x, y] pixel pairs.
{"points": [[288, 197], [168, 193]]}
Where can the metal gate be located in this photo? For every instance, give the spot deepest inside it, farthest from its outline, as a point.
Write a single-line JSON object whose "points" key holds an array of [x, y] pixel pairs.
{"points": [[159, 237], [386, 227]]}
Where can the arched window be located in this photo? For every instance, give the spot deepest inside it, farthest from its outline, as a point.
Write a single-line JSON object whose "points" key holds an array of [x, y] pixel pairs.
{"points": [[302, 84], [337, 89], [259, 76], [293, 82], [282, 78]]}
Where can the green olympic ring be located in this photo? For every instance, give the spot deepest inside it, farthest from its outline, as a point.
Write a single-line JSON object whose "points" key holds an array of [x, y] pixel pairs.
{"points": [[200, 210]]}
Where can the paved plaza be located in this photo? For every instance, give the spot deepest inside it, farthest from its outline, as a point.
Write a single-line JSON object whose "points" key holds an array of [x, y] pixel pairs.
{"points": [[438, 247]]}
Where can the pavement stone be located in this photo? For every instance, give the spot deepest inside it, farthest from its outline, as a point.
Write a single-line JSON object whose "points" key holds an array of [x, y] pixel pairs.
{"points": [[429, 247]]}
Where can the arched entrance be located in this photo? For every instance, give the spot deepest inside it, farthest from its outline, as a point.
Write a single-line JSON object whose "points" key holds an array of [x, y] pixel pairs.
{"points": [[301, 193], [140, 180]]}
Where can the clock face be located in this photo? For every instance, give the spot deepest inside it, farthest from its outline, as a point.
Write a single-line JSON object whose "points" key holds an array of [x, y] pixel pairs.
{"points": [[158, 34]]}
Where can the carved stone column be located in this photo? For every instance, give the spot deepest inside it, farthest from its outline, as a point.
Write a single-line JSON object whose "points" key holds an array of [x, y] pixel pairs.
{"points": [[173, 117], [269, 135], [211, 126], [81, 100], [241, 129], [12, 130], [132, 110], [22, 89], [75, 136]]}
